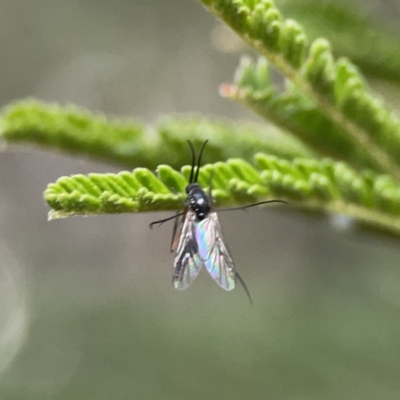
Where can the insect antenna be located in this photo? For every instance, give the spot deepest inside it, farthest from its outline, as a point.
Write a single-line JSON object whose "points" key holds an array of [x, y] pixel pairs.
{"points": [[199, 161], [246, 289], [193, 161]]}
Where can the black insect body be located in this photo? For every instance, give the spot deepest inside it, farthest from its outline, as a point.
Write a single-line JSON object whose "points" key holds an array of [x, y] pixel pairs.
{"points": [[198, 201], [198, 241]]}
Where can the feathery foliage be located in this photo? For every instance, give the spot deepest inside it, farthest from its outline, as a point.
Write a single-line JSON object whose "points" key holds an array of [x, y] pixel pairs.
{"points": [[352, 33], [131, 144], [334, 86], [324, 185], [325, 104], [294, 112]]}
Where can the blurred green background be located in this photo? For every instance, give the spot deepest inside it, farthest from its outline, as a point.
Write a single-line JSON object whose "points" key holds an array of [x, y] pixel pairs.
{"points": [[87, 310]]}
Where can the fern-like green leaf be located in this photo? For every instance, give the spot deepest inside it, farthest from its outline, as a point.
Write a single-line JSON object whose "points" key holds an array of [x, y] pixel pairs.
{"points": [[130, 144], [352, 33], [318, 185], [294, 112], [336, 88]]}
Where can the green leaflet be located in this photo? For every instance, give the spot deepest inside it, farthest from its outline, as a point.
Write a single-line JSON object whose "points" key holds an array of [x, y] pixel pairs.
{"points": [[325, 185], [335, 88], [351, 32], [131, 144], [293, 111]]}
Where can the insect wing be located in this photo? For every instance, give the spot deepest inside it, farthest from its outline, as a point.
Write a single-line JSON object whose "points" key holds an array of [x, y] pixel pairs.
{"points": [[187, 263], [214, 253], [177, 231]]}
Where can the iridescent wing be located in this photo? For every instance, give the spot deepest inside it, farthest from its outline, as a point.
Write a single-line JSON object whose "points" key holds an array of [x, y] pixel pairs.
{"points": [[187, 263], [177, 231], [214, 253]]}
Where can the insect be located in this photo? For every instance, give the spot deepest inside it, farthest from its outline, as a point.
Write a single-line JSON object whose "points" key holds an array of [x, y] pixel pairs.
{"points": [[197, 238]]}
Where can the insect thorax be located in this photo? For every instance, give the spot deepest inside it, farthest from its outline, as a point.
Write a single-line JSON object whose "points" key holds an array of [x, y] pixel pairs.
{"points": [[198, 201]]}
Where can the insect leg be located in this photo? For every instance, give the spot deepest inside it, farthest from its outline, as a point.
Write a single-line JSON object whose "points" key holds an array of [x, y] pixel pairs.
{"points": [[252, 205], [240, 279], [161, 221], [173, 234]]}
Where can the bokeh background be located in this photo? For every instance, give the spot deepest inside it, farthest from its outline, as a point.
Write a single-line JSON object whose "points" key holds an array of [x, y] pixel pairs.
{"points": [[87, 310]]}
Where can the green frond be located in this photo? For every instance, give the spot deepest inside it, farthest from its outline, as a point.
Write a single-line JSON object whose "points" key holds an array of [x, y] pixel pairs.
{"points": [[291, 110], [352, 33], [335, 87], [318, 185], [130, 143]]}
